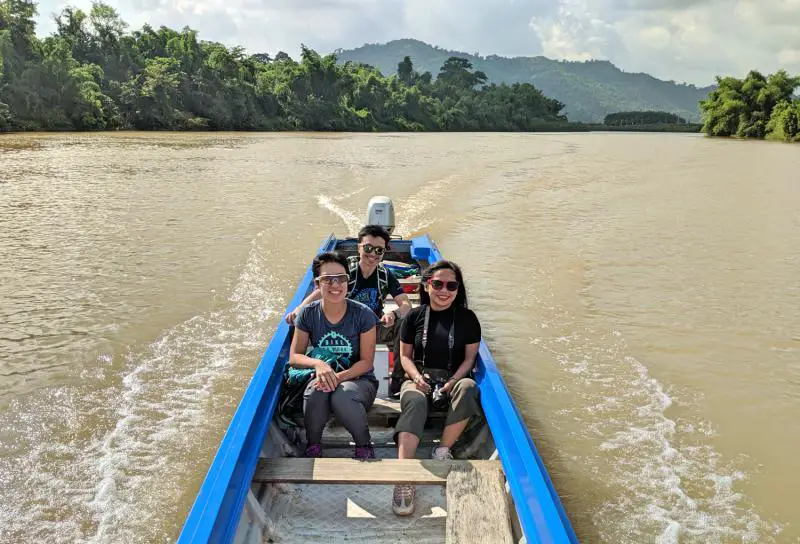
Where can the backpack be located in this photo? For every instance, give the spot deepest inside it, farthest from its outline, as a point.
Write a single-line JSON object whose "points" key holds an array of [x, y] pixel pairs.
{"points": [[295, 380], [383, 277]]}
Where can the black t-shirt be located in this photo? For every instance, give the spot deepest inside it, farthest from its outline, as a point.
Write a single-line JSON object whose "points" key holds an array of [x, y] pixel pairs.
{"points": [[365, 290], [467, 331]]}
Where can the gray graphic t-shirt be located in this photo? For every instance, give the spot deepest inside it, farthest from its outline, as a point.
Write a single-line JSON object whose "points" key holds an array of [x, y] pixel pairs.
{"points": [[342, 340]]}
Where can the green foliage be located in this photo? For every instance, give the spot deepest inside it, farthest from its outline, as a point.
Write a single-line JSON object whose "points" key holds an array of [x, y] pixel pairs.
{"points": [[405, 71], [93, 75], [784, 123], [589, 90], [628, 118], [754, 107], [5, 117]]}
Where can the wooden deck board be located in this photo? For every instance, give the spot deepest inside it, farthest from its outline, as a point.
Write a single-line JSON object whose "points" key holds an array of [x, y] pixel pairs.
{"points": [[352, 471], [477, 506]]}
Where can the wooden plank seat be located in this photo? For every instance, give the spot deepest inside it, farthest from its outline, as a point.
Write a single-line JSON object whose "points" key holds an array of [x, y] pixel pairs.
{"points": [[300, 470], [384, 412], [382, 437]]}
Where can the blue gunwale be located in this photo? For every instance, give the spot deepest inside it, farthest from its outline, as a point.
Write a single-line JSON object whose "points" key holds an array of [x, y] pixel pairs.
{"points": [[215, 514], [538, 505], [218, 506]]}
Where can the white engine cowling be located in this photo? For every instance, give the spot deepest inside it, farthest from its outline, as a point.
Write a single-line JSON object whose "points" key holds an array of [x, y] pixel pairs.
{"points": [[380, 211]]}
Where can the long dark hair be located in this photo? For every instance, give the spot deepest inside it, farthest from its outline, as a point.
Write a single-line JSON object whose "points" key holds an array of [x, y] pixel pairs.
{"points": [[427, 274]]}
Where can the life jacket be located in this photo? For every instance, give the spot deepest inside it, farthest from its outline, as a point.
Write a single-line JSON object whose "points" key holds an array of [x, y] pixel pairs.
{"points": [[353, 272]]}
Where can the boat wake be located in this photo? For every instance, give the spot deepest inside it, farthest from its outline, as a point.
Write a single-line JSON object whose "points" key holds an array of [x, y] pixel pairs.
{"points": [[417, 212], [413, 213], [177, 396], [352, 221], [138, 434], [675, 484]]}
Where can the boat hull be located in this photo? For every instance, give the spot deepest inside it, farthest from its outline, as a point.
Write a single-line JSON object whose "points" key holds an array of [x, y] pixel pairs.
{"points": [[216, 515]]}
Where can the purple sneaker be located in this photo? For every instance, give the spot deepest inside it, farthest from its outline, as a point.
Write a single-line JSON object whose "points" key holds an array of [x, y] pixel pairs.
{"points": [[314, 450], [364, 452]]}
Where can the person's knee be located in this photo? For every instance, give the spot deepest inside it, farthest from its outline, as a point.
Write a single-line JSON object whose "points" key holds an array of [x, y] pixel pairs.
{"points": [[343, 396], [413, 400], [313, 395], [466, 387]]}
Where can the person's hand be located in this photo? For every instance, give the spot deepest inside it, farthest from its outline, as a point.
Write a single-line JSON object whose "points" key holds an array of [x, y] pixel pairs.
{"points": [[326, 377], [447, 387], [422, 383], [388, 319], [290, 317]]}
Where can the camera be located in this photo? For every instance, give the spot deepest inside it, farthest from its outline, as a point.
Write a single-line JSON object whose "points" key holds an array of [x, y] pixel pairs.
{"points": [[438, 397]]}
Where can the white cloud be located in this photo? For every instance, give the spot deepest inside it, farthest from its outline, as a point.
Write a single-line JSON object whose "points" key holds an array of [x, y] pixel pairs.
{"points": [[685, 40]]}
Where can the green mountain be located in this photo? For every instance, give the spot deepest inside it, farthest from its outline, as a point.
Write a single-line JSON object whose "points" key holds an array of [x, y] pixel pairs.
{"points": [[590, 90]]}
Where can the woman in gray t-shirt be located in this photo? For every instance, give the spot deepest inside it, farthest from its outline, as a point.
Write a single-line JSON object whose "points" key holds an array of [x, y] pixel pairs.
{"points": [[334, 338]]}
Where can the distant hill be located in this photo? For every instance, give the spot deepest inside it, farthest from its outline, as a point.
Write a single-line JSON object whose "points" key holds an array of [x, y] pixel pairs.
{"points": [[590, 90]]}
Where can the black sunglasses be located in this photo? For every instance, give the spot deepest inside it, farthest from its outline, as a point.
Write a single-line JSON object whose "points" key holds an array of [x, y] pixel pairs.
{"points": [[369, 248], [438, 284]]}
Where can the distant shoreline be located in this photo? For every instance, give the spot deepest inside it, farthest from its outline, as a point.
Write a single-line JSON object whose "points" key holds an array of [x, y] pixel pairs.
{"points": [[545, 127], [682, 127]]}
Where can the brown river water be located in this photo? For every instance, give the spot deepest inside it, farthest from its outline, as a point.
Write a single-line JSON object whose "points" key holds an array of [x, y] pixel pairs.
{"points": [[640, 292]]}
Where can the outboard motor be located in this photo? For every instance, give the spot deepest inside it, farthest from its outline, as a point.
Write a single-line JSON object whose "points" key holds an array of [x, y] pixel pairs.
{"points": [[380, 211]]}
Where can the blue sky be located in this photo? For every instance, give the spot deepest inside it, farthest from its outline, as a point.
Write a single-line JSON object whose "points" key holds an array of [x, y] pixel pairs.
{"points": [[684, 40]]}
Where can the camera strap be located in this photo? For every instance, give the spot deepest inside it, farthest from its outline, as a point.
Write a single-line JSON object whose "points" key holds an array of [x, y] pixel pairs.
{"points": [[451, 338]]}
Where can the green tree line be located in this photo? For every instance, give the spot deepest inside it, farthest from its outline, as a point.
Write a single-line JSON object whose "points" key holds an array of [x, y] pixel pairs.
{"points": [[624, 118], [92, 74], [754, 107], [589, 89]]}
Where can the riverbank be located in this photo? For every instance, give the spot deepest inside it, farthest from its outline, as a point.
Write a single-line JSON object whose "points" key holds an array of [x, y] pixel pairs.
{"points": [[656, 127], [543, 126]]}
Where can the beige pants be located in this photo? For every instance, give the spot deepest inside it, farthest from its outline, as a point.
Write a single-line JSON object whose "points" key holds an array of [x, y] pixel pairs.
{"points": [[463, 403]]}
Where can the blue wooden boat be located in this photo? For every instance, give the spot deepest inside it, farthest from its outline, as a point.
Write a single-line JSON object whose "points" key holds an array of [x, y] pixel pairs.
{"points": [[260, 489]]}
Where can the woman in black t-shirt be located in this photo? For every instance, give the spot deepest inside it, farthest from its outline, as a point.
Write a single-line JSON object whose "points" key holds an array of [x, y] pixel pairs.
{"points": [[438, 344]]}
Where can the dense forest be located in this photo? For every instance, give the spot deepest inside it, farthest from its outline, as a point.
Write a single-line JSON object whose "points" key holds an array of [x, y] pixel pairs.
{"points": [[92, 74], [626, 118], [646, 121], [589, 90], [754, 107]]}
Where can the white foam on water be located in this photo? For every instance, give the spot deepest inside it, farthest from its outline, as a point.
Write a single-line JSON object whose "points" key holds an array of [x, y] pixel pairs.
{"points": [[352, 221], [53, 505], [671, 483], [416, 212], [170, 409], [413, 213]]}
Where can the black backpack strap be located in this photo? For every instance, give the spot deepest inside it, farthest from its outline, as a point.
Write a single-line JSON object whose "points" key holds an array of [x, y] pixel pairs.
{"points": [[383, 281], [352, 272]]}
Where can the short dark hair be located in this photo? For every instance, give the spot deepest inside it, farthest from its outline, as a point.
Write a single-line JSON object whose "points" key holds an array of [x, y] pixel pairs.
{"points": [[327, 257], [427, 274], [375, 230]]}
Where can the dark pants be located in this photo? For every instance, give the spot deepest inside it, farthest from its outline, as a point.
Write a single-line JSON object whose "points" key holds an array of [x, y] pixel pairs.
{"points": [[349, 403]]}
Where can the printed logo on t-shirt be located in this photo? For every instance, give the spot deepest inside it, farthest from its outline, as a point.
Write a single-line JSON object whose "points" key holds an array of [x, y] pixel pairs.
{"points": [[368, 297], [337, 344]]}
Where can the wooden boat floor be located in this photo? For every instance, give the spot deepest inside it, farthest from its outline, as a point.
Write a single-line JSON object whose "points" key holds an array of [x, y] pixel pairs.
{"points": [[352, 513], [333, 513]]}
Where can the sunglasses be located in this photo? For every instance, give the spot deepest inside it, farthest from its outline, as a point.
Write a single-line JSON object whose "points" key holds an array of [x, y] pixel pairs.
{"points": [[377, 250], [438, 284], [333, 279]]}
